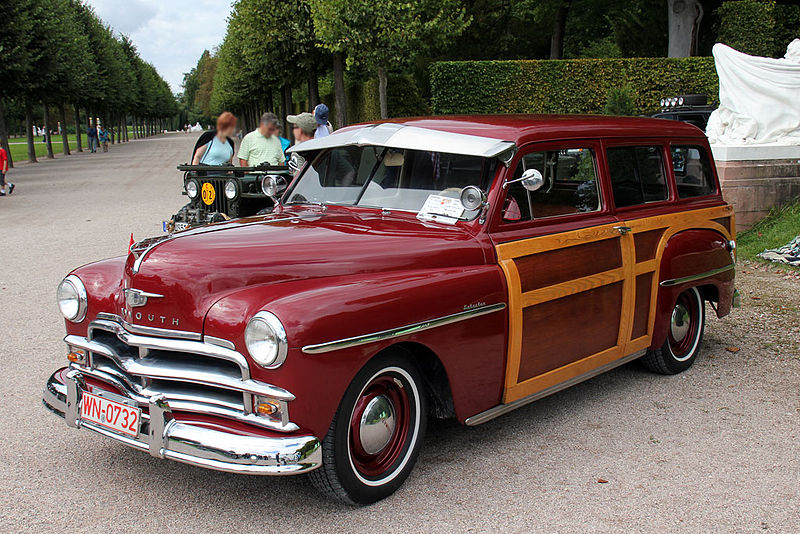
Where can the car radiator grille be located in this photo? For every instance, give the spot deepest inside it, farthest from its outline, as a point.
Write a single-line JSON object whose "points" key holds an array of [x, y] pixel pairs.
{"points": [[220, 203]]}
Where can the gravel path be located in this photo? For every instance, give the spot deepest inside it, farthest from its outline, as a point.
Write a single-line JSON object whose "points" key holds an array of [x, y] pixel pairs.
{"points": [[712, 450]]}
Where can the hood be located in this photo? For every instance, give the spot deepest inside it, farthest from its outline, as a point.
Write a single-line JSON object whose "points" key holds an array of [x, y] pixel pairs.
{"points": [[189, 271]]}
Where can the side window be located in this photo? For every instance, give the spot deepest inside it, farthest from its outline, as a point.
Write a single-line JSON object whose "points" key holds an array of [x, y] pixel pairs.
{"points": [[570, 186], [637, 175], [692, 168]]}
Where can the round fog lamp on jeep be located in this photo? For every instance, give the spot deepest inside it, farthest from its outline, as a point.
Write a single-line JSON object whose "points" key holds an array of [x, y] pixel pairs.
{"points": [[192, 188], [72, 300], [265, 339], [231, 190]]}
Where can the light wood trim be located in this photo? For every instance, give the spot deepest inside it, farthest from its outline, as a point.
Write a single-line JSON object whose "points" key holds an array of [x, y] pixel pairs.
{"points": [[671, 223], [556, 376], [571, 287], [534, 245]]}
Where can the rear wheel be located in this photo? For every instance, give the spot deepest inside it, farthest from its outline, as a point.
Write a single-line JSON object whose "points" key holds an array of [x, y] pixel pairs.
{"points": [[375, 437], [684, 336]]}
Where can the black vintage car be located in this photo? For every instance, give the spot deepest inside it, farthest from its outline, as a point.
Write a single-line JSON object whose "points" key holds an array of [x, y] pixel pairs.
{"points": [[220, 193], [693, 109]]}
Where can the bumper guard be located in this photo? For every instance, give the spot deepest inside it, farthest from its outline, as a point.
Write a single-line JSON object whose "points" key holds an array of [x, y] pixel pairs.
{"points": [[191, 444]]}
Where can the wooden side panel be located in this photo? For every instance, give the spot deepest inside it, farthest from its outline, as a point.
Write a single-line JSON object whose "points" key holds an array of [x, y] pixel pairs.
{"points": [[564, 287], [568, 329]]}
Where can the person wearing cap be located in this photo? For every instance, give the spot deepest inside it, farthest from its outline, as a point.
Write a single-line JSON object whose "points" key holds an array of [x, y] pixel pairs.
{"points": [[303, 127], [323, 127]]}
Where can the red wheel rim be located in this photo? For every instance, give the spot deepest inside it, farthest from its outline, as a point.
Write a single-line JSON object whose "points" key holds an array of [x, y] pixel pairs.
{"points": [[684, 325], [381, 389]]}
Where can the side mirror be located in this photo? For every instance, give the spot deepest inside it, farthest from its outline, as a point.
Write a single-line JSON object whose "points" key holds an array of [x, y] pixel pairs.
{"points": [[273, 185], [531, 180]]}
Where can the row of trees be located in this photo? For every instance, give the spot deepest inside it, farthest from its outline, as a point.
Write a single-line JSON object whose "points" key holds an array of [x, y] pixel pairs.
{"points": [[59, 55]]}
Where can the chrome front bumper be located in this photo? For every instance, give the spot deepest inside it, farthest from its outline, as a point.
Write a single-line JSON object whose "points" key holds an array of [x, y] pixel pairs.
{"points": [[166, 437]]}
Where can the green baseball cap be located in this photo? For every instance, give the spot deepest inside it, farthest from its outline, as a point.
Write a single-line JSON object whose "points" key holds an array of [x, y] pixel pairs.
{"points": [[305, 121]]}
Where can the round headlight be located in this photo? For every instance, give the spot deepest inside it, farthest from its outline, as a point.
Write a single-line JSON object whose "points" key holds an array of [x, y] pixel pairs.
{"points": [[680, 101], [72, 300], [663, 102], [192, 189], [265, 339], [231, 190]]}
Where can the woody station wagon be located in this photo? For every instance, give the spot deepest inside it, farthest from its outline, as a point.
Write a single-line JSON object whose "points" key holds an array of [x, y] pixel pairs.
{"points": [[449, 267]]}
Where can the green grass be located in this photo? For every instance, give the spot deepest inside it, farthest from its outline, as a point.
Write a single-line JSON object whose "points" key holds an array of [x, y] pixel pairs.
{"points": [[19, 152], [775, 230]]}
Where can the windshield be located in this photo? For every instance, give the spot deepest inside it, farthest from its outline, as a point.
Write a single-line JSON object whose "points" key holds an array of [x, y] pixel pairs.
{"points": [[389, 178]]}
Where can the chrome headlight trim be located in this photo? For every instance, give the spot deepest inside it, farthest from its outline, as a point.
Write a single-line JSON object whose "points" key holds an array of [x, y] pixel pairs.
{"points": [[194, 190], [235, 190], [73, 284], [273, 328]]}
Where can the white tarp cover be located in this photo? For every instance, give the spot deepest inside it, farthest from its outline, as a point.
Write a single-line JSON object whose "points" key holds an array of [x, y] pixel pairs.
{"points": [[759, 98]]}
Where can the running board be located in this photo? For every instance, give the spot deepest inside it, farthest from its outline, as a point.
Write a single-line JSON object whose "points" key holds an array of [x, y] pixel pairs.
{"points": [[501, 409]]}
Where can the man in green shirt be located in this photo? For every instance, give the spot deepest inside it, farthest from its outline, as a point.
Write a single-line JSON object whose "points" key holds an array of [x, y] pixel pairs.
{"points": [[262, 145]]}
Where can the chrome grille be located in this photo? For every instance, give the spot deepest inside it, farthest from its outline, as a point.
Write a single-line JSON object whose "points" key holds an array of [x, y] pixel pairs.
{"points": [[193, 376]]}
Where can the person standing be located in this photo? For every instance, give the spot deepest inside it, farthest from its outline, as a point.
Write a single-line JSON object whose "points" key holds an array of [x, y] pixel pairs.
{"points": [[102, 136], [3, 171], [324, 127], [262, 145], [304, 127], [91, 136], [218, 150]]}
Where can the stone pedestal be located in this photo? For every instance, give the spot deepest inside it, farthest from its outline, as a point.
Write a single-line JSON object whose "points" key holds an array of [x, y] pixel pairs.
{"points": [[757, 178]]}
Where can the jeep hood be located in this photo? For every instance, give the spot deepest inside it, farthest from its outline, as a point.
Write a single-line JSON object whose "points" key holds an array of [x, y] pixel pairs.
{"points": [[192, 270]]}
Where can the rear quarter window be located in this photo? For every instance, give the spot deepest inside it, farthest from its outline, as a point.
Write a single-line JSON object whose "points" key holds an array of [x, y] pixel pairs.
{"points": [[692, 168]]}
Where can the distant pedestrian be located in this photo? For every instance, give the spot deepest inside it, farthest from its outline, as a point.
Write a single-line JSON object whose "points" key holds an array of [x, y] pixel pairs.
{"points": [[216, 146], [91, 136], [102, 136], [3, 171], [324, 127]]}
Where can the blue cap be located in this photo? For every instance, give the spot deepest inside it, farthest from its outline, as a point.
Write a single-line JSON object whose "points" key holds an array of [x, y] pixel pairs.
{"points": [[321, 114]]}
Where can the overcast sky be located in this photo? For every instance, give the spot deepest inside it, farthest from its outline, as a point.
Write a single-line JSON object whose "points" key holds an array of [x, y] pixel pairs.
{"points": [[170, 34]]}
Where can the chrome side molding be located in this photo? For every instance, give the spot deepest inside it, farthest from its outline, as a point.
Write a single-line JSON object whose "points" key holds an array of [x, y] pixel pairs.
{"points": [[694, 277], [401, 331]]}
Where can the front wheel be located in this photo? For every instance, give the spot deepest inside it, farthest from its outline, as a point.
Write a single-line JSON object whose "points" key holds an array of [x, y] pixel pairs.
{"points": [[684, 336], [375, 437]]}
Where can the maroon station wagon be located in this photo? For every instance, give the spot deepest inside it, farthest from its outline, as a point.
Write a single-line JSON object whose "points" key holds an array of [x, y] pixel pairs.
{"points": [[448, 267]]}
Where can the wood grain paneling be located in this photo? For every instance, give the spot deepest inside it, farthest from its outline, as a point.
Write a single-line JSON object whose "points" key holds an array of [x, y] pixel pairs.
{"points": [[641, 309], [561, 331], [646, 244], [564, 264]]}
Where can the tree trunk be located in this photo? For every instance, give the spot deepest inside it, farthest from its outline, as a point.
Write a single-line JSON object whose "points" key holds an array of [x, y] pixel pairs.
{"points": [[125, 127], [78, 128], [287, 109], [559, 28], [340, 99], [683, 19], [64, 138], [48, 141], [313, 90], [29, 125], [4, 134], [382, 82]]}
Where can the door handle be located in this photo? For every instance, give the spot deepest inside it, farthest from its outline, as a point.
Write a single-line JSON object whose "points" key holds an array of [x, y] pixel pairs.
{"points": [[623, 229]]}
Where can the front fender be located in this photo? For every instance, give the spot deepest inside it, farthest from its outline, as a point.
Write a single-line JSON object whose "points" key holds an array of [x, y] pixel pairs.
{"points": [[325, 310], [687, 254]]}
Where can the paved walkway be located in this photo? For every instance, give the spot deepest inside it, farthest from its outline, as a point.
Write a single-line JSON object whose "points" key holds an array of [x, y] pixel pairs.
{"points": [[712, 450]]}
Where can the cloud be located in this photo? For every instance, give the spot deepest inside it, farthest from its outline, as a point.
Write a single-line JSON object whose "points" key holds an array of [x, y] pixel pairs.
{"points": [[171, 35]]}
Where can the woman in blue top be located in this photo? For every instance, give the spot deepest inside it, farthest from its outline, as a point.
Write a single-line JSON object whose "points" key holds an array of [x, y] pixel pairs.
{"points": [[219, 149]]}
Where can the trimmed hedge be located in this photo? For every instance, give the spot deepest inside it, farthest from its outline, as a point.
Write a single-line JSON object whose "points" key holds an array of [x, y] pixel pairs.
{"points": [[565, 86], [748, 26]]}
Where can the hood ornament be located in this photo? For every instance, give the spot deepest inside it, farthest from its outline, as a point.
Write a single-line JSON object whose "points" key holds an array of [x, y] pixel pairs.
{"points": [[136, 298]]}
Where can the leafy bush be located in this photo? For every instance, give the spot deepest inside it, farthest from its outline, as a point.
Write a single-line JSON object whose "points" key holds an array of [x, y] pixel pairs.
{"points": [[565, 86], [404, 99], [620, 101], [787, 26], [748, 26]]}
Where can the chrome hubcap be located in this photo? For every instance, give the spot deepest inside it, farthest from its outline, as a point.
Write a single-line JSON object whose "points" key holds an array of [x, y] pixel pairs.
{"points": [[377, 424], [680, 322]]}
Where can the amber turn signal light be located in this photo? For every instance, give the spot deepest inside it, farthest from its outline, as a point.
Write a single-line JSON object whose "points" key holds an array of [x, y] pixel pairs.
{"points": [[266, 408], [77, 356]]}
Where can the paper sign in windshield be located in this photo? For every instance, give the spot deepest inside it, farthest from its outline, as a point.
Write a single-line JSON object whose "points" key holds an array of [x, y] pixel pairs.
{"points": [[439, 205]]}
